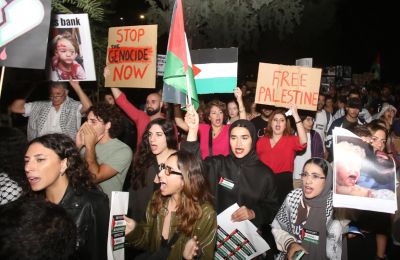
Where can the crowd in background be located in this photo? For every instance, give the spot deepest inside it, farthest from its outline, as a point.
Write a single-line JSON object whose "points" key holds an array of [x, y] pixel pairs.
{"points": [[182, 167]]}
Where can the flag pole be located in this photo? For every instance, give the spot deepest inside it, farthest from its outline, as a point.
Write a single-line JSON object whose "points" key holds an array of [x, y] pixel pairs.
{"points": [[188, 84], [3, 68], [189, 90]]}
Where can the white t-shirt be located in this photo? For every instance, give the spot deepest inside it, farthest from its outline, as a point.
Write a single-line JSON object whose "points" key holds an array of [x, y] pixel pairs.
{"points": [[299, 160], [321, 123]]}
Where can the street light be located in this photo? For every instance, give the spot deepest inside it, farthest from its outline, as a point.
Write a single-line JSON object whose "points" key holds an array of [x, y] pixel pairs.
{"points": [[142, 16]]}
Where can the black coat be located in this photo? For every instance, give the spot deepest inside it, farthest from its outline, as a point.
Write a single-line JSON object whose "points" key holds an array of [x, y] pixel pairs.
{"points": [[140, 198], [90, 211], [254, 185]]}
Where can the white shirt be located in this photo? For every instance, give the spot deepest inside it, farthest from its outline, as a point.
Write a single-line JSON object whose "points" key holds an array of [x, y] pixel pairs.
{"points": [[52, 124], [299, 160], [321, 123]]}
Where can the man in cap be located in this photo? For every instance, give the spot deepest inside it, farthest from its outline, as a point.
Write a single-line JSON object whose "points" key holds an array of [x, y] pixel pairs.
{"points": [[348, 121]]}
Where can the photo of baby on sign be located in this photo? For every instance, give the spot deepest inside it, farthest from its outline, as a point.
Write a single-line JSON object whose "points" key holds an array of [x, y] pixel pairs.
{"points": [[364, 178]]}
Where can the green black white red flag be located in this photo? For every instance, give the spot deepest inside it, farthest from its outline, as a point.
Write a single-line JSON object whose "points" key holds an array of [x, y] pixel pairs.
{"points": [[178, 72]]}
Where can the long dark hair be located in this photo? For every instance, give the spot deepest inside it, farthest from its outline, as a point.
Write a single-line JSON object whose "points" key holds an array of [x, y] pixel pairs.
{"points": [[195, 192], [77, 171], [13, 145], [144, 158]]}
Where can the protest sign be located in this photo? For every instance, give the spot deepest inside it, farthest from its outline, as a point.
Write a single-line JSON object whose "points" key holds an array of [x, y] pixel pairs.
{"points": [[280, 85], [363, 179], [161, 59], [132, 56], [304, 62], [117, 225], [70, 50], [237, 240], [24, 28]]}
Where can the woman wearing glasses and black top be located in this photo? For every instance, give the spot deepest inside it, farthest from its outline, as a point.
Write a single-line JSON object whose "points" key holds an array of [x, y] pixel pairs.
{"points": [[180, 219], [305, 223]]}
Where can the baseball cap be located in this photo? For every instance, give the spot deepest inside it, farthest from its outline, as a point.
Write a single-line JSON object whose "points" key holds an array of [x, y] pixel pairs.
{"points": [[354, 103]]}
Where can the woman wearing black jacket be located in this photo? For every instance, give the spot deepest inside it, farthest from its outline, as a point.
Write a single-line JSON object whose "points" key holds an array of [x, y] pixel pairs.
{"points": [[56, 172], [239, 177]]}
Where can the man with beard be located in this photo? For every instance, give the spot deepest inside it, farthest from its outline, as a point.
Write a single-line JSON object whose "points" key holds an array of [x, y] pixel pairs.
{"points": [[153, 110]]}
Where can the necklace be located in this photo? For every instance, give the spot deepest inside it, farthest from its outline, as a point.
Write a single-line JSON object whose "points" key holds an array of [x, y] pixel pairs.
{"points": [[216, 132]]}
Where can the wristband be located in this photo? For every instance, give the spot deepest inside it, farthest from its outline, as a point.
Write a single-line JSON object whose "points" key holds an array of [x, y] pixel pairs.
{"points": [[298, 122]]}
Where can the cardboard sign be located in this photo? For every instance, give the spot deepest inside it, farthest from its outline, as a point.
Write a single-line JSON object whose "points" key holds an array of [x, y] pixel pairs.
{"points": [[280, 85], [71, 53], [24, 28], [132, 56]]}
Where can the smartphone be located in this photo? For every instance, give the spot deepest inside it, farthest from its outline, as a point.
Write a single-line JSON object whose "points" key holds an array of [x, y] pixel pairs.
{"points": [[298, 254]]}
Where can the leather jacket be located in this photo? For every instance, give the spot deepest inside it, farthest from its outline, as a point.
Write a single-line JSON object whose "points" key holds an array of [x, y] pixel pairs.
{"points": [[90, 211]]}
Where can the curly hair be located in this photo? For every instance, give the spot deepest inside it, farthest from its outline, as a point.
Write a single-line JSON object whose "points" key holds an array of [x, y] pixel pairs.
{"points": [[288, 129], [144, 158], [108, 113], [214, 103], [13, 145], [77, 172], [44, 230], [195, 192]]}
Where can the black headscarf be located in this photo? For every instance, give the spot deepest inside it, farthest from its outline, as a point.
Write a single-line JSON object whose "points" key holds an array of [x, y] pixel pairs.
{"points": [[253, 134]]}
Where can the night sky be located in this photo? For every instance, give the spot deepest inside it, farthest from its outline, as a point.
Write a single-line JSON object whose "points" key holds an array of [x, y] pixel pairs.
{"points": [[333, 32]]}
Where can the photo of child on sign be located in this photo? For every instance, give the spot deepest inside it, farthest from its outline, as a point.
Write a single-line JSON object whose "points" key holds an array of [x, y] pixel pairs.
{"points": [[70, 53], [67, 61], [363, 178]]}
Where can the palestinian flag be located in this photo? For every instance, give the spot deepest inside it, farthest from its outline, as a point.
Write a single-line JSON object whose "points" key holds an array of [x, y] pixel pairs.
{"points": [[215, 70], [178, 73]]}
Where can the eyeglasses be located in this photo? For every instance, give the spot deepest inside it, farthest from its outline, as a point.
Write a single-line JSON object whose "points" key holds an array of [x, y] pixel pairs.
{"points": [[314, 176], [168, 170]]}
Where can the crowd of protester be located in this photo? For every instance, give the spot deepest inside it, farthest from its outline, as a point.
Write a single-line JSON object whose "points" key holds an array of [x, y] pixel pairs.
{"points": [[183, 167]]}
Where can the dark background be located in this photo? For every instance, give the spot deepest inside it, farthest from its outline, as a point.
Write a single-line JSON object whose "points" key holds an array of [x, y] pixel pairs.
{"points": [[358, 31], [354, 34]]}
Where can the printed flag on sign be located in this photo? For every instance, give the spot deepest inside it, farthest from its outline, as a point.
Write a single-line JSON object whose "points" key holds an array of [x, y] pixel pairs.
{"points": [[178, 73]]}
